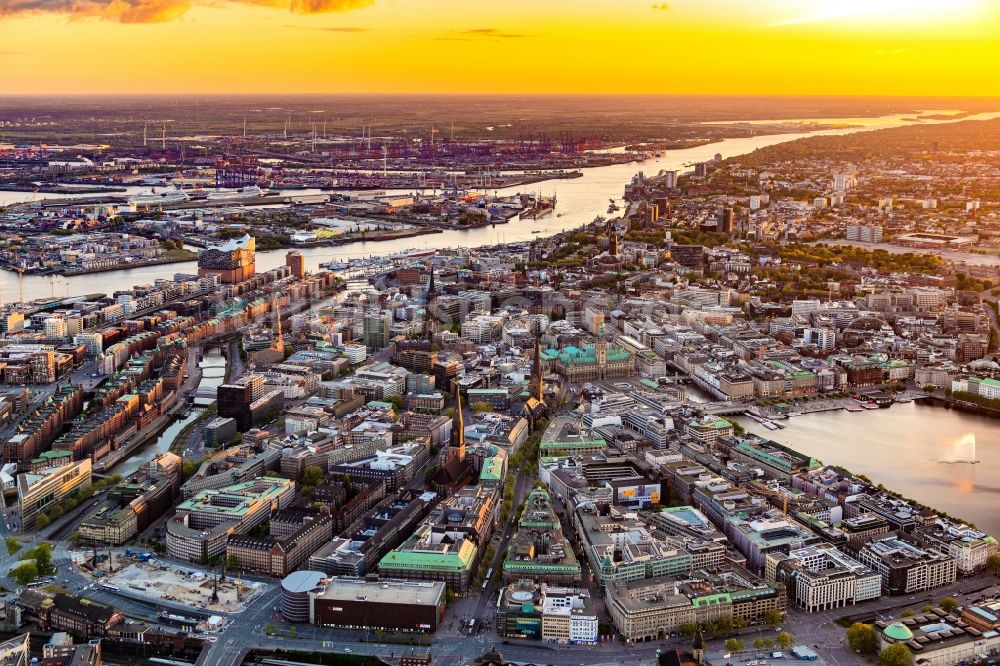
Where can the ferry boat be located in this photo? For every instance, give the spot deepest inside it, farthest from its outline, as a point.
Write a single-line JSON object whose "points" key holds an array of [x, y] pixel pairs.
{"points": [[880, 398]]}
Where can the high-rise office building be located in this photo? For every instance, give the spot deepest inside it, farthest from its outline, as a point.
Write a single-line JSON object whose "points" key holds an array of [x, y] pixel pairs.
{"points": [[376, 330], [725, 221], [295, 261]]}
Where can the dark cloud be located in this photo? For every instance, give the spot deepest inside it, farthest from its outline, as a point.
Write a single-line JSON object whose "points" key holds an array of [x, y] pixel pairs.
{"points": [[158, 11], [324, 6], [123, 11]]}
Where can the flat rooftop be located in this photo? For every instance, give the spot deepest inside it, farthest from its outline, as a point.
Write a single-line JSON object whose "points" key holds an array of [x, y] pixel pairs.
{"points": [[424, 593]]}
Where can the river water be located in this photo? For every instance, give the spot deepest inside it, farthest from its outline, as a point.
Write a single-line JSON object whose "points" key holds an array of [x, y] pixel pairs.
{"points": [[920, 451], [579, 201]]}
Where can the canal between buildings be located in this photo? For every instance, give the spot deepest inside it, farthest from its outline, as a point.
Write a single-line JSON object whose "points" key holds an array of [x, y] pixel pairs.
{"points": [[213, 367]]}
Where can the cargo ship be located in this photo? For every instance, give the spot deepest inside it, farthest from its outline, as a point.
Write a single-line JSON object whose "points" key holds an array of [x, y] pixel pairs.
{"points": [[542, 206]]}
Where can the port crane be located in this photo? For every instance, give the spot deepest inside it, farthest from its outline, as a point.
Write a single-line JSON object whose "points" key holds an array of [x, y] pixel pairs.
{"points": [[52, 286]]}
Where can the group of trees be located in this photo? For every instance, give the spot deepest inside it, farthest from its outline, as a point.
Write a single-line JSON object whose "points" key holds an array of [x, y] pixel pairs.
{"points": [[484, 566], [883, 260], [993, 565], [734, 645], [59, 510], [863, 639], [525, 460], [727, 626], [397, 402], [782, 639], [38, 562], [976, 399], [277, 630], [168, 244], [896, 654], [967, 283], [189, 467], [312, 475]]}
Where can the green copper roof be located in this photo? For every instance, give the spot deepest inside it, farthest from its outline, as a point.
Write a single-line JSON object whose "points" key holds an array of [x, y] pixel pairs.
{"points": [[569, 445], [898, 632], [492, 469], [523, 566], [710, 599], [453, 560], [588, 355]]}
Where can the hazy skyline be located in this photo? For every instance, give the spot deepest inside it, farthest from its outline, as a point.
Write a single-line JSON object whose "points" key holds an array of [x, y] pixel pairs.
{"points": [[842, 47]]}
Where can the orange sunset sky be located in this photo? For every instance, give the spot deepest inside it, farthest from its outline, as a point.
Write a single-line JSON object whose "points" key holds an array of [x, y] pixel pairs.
{"points": [[842, 47]]}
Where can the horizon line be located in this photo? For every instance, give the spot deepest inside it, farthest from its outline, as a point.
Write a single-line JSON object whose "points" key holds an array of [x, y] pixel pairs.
{"points": [[11, 95]]}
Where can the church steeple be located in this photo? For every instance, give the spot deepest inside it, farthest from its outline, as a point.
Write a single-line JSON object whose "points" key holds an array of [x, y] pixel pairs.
{"points": [[431, 292], [428, 324], [537, 384], [458, 438], [698, 647], [429, 309]]}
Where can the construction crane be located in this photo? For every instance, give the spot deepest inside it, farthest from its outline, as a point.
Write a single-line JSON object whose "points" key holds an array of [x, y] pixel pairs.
{"points": [[770, 492], [20, 284]]}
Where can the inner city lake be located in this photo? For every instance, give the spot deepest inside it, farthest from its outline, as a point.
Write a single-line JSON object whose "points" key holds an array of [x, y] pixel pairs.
{"points": [[923, 452]]}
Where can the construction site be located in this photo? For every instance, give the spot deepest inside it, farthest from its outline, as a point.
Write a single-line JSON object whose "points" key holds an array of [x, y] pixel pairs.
{"points": [[191, 587]]}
